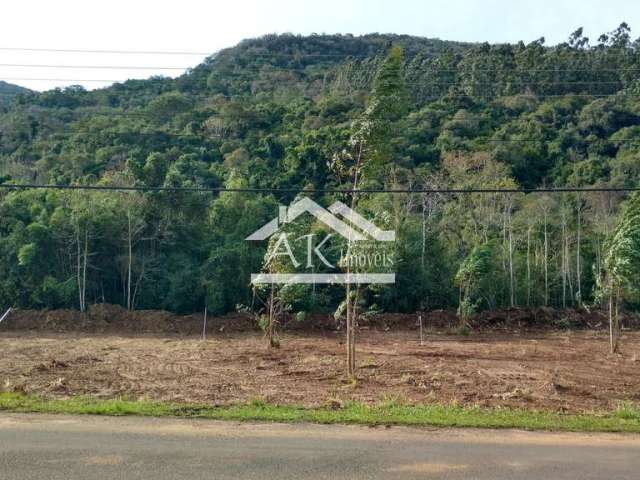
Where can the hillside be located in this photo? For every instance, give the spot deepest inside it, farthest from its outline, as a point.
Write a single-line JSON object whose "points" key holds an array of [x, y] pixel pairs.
{"points": [[280, 112], [463, 97], [8, 91]]}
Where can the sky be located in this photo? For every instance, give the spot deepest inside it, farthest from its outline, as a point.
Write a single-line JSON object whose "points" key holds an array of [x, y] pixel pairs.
{"points": [[204, 26]]}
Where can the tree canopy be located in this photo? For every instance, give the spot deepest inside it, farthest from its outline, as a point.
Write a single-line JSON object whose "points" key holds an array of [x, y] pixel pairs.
{"points": [[284, 112]]}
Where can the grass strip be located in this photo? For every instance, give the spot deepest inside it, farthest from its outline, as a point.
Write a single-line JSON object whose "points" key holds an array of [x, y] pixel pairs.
{"points": [[625, 419]]}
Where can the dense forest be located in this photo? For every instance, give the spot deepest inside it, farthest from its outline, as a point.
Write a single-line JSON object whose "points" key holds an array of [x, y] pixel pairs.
{"points": [[9, 91], [286, 112]]}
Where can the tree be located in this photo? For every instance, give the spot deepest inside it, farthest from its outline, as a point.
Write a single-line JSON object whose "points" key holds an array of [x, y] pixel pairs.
{"points": [[367, 158], [285, 253], [475, 268], [622, 266], [83, 229], [468, 116]]}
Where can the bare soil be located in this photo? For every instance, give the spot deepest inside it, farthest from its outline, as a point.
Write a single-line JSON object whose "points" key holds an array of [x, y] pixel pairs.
{"points": [[106, 318], [562, 371]]}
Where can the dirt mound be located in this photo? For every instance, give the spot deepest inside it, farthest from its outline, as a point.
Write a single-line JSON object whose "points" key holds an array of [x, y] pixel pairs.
{"points": [[106, 318], [435, 319], [549, 318], [55, 320]]}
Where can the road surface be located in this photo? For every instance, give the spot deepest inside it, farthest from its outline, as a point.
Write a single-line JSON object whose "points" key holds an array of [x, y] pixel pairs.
{"points": [[68, 447]]}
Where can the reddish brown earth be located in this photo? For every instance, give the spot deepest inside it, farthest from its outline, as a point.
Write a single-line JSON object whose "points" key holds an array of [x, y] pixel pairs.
{"points": [[563, 371], [105, 318]]}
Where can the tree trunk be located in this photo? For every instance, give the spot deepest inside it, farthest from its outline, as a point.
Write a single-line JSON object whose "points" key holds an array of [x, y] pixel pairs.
{"points": [[350, 371], [130, 260], [79, 269], [563, 263], [204, 324], [546, 263], [135, 289], [611, 342], [81, 260], [354, 323], [351, 311], [529, 267], [270, 339], [616, 321], [613, 321], [78, 265], [424, 232], [512, 282], [578, 260], [84, 270], [567, 258]]}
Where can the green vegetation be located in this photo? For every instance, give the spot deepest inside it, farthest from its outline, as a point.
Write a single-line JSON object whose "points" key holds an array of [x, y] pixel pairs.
{"points": [[9, 91], [622, 264], [626, 419], [293, 112]]}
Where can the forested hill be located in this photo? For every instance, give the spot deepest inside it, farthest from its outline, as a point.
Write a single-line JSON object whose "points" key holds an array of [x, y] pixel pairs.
{"points": [[279, 112], [280, 90], [9, 91]]}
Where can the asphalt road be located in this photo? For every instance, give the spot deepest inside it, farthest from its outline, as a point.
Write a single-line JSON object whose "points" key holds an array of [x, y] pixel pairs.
{"points": [[66, 447]]}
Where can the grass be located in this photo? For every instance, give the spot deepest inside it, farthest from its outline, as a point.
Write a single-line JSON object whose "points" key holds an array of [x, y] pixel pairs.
{"points": [[625, 419]]}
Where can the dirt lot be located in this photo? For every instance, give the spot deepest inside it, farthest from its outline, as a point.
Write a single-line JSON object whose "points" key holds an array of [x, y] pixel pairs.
{"points": [[559, 371]]}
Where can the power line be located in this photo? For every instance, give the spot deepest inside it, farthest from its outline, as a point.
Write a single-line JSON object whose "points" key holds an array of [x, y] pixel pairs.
{"points": [[200, 136], [295, 55], [371, 54], [224, 53], [441, 96], [316, 191], [538, 70], [82, 115], [306, 70], [419, 84], [101, 80], [115, 52], [299, 54], [150, 134], [110, 67]]}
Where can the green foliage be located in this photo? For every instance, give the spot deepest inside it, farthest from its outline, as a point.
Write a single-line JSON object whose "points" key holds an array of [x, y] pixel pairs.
{"points": [[474, 271], [8, 92], [292, 112], [622, 259], [625, 419]]}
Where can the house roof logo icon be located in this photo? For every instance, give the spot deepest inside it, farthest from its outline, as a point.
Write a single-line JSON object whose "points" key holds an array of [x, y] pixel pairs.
{"points": [[343, 221], [366, 229]]}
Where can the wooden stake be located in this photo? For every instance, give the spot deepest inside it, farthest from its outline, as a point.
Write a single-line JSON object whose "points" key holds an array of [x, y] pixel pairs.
{"points": [[204, 326], [6, 314]]}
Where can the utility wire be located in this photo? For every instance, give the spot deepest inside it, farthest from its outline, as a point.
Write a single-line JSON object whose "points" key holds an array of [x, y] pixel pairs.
{"points": [[101, 80], [440, 96], [116, 52], [239, 52], [110, 67], [142, 134], [409, 84], [306, 70], [314, 191]]}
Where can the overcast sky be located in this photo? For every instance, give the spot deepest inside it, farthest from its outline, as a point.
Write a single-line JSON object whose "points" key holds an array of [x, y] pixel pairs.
{"points": [[209, 25]]}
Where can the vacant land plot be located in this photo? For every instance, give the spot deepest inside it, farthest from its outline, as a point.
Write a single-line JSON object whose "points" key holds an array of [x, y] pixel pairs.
{"points": [[570, 372]]}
